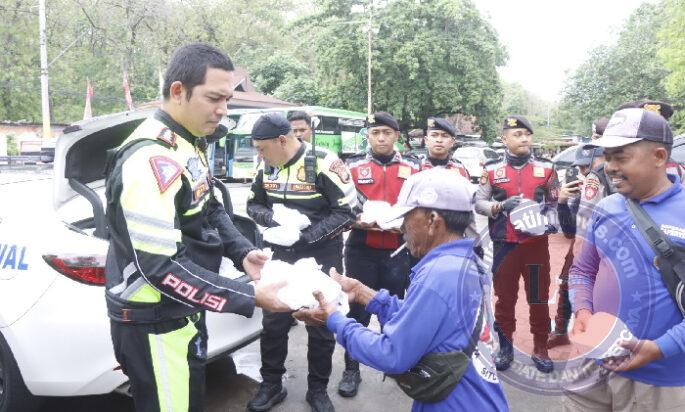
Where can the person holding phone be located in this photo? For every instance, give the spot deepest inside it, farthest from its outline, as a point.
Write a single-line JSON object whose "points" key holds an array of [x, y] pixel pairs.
{"points": [[569, 203]]}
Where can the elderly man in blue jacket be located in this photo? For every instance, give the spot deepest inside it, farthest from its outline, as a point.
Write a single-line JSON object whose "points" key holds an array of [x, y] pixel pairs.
{"points": [[440, 310]]}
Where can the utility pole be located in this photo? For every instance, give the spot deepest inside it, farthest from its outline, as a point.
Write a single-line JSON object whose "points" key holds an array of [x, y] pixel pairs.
{"points": [[369, 30], [45, 98]]}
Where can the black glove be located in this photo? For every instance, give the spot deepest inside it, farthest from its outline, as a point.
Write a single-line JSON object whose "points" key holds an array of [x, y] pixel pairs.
{"points": [[511, 203]]}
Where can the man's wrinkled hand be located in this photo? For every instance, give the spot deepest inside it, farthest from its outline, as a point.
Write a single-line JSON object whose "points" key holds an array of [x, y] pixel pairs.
{"points": [[317, 316], [642, 352], [266, 296], [253, 263], [349, 285]]}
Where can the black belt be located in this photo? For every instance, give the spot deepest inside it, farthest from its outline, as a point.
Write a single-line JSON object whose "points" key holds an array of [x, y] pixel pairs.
{"points": [[125, 312]]}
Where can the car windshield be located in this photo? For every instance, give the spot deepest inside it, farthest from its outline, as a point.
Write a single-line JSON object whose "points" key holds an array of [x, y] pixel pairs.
{"points": [[678, 153], [467, 152]]}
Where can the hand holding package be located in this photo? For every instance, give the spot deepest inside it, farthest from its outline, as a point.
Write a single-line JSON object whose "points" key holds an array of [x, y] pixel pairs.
{"points": [[304, 277]]}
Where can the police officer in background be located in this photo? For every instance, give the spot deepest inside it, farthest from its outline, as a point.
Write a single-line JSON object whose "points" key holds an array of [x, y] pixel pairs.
{"points": [[301, 125], [319, 186], [503, 186], [568, 206], [378, 175], [440, 139], [164, 253]]}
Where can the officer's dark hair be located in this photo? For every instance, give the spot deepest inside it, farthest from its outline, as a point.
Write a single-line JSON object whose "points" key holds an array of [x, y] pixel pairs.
{"points": [[300, 115], [189, 65], [455, 221]]}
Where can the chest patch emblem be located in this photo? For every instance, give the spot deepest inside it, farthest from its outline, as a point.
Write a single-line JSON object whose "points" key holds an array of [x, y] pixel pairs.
{"points": [[301, 175], [500, 173], [404, 172], [538, 171], [365, 173], [166, 171]]}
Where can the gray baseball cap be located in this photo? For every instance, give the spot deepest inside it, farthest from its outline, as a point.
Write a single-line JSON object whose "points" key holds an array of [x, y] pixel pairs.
{"points": [[436, 188], [629, 126]]}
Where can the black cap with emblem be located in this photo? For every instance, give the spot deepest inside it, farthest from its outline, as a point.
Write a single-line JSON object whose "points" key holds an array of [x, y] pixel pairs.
{"points": [[269, 126], [437, 123], [664, 109], [378, 119], [517, 122]]}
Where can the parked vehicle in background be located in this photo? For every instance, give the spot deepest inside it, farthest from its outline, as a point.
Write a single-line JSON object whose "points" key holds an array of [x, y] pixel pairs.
{"points": [[339, 131], [54, 329], [474, 158]]}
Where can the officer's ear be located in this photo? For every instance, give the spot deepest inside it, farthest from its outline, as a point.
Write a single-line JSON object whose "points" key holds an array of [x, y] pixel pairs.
{"points": [[660, 154], [176, 92]]}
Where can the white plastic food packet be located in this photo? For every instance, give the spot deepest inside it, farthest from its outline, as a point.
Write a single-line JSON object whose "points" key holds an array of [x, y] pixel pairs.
{"points": [[303, 278]]}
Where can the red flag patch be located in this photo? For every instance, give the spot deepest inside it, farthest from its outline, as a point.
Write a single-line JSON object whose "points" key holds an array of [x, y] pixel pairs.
{"points": [[166, 171]]}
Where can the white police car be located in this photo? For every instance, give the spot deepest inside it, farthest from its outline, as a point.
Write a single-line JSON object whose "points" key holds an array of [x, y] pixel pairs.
{"points": [[54, 330]]}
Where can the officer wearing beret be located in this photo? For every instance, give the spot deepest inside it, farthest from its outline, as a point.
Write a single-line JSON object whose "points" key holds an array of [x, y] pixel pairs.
{"points": [[440, 139], [378, 175], [327, 199], [517, 251]]}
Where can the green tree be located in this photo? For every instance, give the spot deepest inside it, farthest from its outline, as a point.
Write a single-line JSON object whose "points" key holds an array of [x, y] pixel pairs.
{"points": [[433, 57], [672, 55], [614, 74]]}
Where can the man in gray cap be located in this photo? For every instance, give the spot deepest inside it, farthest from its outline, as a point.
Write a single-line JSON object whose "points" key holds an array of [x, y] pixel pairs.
{"points": [[445, 305], [316, 184], [637, 144]]}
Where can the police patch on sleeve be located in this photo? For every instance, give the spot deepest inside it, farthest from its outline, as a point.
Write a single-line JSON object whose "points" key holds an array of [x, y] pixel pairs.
{"points": [[339, 168], [590, 188], [166, 171], [484, 177]]}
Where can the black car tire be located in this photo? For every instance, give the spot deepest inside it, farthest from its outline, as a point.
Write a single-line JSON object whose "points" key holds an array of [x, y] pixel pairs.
{"points": [[13, 393]]}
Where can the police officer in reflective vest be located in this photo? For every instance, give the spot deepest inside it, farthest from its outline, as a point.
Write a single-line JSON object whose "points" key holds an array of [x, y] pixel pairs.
{"points": [[378, 175], [440, 138], [503, 186], [164, 252], [317, 184]]}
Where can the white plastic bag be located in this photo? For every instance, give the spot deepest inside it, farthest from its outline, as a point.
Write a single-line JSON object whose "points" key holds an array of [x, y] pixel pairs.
{"points": [[374, 210], [303, 278], [282, 235], [285, 216]]}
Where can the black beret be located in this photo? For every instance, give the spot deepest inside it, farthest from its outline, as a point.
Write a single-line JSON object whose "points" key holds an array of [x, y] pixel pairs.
{"points": [[382, 119], [664, 109], [270, 125], [599, 125], [437, 123], [517, 122]]}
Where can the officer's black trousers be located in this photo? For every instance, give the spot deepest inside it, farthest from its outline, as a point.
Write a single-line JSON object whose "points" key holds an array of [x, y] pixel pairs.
{"points": [[165, 362], [321, 342], [377, 270]]}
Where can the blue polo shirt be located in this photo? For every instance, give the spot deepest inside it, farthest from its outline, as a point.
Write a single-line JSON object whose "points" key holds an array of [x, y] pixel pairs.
{"points": [[614, 273], [437, 315]]}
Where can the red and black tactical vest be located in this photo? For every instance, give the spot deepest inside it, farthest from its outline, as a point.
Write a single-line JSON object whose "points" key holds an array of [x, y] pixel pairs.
{"points": [[536, 181], [382, 182]]}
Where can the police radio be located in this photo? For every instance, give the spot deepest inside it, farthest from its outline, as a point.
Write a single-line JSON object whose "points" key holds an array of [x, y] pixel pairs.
{"points": [[310, 158]]}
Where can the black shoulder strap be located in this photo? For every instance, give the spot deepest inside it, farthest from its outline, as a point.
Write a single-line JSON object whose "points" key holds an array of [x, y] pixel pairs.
{"points": [[113, 155], [671, 265], [657, 239]]}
